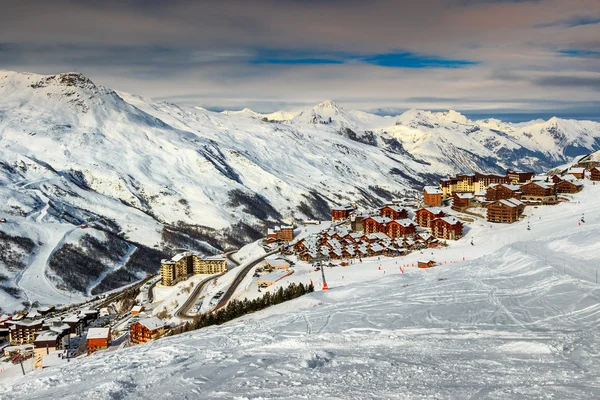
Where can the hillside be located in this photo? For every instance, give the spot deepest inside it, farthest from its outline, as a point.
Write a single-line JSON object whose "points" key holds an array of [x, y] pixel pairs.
{"points": [[90, 176], [517, 319]]}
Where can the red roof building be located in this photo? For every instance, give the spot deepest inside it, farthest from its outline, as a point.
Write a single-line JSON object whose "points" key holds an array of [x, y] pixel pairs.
{"points": [[425, 216], [448, 228]]}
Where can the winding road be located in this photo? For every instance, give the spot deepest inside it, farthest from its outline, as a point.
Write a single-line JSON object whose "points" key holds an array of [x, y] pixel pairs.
{"points": [[182, 312]]}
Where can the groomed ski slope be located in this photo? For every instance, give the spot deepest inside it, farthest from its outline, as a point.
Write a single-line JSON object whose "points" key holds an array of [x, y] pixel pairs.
{"points": [[520, 322]]}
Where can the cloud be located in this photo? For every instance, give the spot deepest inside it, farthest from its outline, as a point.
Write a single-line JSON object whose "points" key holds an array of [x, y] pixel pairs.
{"points": [[571, 22], [590, 82], [465, 54]]}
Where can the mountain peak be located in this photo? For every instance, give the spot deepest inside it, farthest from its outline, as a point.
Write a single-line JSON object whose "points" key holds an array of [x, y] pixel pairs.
{"points": [[327, 105], [453, 116], [73, 79]]}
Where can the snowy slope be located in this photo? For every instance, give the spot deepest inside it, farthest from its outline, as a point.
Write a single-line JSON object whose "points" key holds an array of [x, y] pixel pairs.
{"points": [[517, 319], [74, 153]]}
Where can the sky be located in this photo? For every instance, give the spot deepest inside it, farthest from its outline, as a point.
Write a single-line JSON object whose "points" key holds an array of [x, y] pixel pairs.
{"points": [[517, 59]]}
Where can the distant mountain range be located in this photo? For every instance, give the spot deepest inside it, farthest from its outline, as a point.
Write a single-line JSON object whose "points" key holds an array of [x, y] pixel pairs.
{"points": [[96, 185]]}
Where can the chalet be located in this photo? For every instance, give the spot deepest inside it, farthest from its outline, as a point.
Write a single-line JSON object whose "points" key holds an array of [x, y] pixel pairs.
{"points": [[538, 191], [428, 264], [342, 213], [400, 228], [393, 212], [556, 178], [505, 210], [502, 191], [519, 177], [136, 310], [97, 339], [461, 200], [280, 233], [595, 174], [375, 224], [578, 173], [300, 246], [568, 187], [432, 196], [147, 329], [448, 228], [424, 216]]}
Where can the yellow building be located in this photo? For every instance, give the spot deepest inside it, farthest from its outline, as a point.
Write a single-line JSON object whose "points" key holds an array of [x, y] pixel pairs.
{"points": [[470, 183], [180, 267]]}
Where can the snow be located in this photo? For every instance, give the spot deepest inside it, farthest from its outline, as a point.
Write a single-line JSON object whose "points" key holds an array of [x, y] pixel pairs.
{"points": [[98, 333], [518, 318]]}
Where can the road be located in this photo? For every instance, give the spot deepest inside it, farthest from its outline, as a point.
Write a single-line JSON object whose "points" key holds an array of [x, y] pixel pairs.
{"points": [[182, 312], [240, 277]]}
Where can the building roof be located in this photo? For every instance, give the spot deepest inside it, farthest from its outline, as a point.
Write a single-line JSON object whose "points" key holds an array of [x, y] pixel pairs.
{"points": [[72, 318], [514, 188], [576, 170], [507, 203], [27, 323], [278, 262], [568, 177], [516, 202], [433, 210], [450, 220], [137, 308], [464, 195], [98, 333], [432, 190], [405, 222], [46, 336], [153, 323]]}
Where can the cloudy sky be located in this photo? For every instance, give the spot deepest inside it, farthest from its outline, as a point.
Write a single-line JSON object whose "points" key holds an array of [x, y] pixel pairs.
{"points": [[507, 58]]}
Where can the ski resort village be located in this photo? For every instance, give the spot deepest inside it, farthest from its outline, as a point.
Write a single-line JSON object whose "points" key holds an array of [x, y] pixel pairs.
{"points": [[465, 216]]}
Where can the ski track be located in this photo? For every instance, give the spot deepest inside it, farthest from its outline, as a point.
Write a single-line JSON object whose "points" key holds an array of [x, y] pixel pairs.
{"points": [[120, 265]]}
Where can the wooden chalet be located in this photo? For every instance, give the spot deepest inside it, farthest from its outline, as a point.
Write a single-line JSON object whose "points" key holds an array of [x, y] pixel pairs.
{"points": [[375, 224], [426, 264], [505, 210], [577, 172], [448, 228], [432, 196], [538, 191], [502, 191], [147, 329], [342, 213], [401, 228], [595, 174], [393, 212], [425, 216], [568, 187], [462, 200]]}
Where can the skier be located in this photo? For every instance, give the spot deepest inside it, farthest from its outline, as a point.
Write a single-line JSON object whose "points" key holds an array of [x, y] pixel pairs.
{"points": [[472, 243]]}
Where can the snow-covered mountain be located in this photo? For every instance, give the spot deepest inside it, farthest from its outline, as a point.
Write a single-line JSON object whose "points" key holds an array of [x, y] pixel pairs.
{"points": [[147, 176]]}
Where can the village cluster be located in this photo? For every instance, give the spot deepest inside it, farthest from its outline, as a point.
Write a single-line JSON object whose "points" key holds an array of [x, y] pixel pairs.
{"points": [[51, 337], [399, 228]]}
